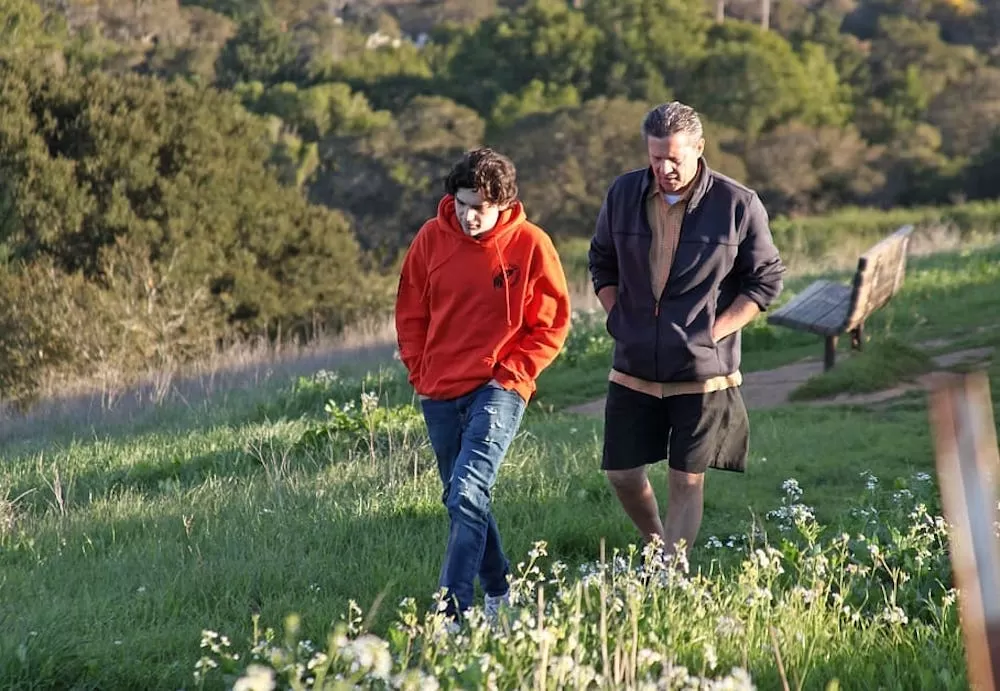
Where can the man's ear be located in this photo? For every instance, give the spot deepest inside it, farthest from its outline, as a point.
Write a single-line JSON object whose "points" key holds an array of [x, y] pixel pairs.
{"points": [[701, 146]]}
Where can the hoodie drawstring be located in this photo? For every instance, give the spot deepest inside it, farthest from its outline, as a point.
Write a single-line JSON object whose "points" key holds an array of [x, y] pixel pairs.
{"points": [[506, 283]]}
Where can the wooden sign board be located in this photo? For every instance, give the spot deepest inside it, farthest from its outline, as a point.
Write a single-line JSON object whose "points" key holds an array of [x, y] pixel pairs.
{"points": [[968, 466]]}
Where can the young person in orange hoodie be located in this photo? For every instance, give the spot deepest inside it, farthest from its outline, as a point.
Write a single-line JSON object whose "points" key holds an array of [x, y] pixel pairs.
{"points": [[482, 308]]}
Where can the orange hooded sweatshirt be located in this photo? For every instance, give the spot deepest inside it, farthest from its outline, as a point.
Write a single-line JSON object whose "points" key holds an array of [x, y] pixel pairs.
{"points": [[469, 309]]}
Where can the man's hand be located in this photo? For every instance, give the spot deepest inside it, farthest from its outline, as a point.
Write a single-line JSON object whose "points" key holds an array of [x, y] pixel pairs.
{"points": [[735, 317], [608, 296]]}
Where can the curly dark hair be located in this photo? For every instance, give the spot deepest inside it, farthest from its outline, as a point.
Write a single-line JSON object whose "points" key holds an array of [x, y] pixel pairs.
{"points": [[488, 172]]}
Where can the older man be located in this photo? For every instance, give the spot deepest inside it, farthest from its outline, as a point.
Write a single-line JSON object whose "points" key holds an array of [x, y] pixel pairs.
{"points": [[681, 260]]}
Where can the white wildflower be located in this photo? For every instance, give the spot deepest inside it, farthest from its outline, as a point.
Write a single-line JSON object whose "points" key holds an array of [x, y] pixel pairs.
{"points": [[871, 482], [371, 653], [415, 680], [711, 657], [728, 627], [807, 595], [894, 615], [369, 403], [257, 678], [792, 489]]}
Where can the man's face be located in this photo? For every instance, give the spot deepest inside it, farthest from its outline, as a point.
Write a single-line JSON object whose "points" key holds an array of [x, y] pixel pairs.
{"points": [[674, 160], [475, 215]]}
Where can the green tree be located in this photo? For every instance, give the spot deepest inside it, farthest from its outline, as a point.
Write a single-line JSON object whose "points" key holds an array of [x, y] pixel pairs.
{"points": [[195, 57], [536, 97], [545, 40], [910, 65], [799, 169], [647, 47], [754, 80], [567, 159], [89, 160], [390, 179], [262, 50], [982, 178], [315, 112]]}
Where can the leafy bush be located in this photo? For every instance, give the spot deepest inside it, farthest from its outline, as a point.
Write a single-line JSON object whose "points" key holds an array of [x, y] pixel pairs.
{"points": [[587, 337], [369, 425], [49, 323]]}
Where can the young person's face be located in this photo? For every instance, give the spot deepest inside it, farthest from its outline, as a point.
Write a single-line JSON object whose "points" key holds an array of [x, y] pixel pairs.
{"points": [[674, 160], [475, 215]]}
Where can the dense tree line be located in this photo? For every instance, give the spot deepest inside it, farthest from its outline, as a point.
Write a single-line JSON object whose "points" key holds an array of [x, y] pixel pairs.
{"points": [[875, 103], [202, 171]]}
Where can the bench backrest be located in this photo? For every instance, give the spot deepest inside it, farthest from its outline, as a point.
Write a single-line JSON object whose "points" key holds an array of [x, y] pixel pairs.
{"points": [[879, 276]]}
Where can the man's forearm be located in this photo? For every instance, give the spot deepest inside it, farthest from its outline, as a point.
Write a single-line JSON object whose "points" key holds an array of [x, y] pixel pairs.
{"points": [[735, 317], [608, 296]]}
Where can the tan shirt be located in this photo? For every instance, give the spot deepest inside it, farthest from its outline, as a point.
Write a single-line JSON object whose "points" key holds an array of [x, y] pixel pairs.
{"points": [[665, 220]]}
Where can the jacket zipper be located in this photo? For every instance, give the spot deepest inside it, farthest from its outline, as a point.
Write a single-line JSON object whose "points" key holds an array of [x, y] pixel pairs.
{"points": [[656, 300], [656, 340]]}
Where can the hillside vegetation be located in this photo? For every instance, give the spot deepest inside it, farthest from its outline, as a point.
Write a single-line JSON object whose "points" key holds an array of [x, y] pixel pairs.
{"points": [[176, 177]]}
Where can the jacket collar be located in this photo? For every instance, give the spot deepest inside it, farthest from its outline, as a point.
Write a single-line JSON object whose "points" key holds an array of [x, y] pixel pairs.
{"points": [[701, 184]]}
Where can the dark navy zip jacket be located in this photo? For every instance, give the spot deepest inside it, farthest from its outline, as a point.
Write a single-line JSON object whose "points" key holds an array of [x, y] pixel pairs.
{"points": [[725, 250]]}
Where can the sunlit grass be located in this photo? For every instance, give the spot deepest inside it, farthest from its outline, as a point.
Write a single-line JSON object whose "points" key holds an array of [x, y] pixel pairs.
{"points": [[119, 547]]}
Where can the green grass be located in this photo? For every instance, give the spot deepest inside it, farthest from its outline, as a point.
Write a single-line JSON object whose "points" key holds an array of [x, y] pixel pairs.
{"points": [[882, 365], [118, 549]]}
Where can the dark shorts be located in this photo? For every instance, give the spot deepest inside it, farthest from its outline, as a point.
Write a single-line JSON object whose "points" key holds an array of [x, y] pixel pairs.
{"points": [[693, 432]]}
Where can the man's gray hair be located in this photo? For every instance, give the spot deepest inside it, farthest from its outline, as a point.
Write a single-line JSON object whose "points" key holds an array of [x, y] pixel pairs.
{"points": [[672, 118]]}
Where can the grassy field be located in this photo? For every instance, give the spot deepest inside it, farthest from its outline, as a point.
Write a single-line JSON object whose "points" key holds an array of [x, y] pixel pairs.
{"points": [[119, 548]]}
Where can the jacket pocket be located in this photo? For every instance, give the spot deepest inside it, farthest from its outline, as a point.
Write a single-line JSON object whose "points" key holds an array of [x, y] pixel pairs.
{"points": [[686, 351], [712, 307], [634, 333], [701, 331], [608, 322]]}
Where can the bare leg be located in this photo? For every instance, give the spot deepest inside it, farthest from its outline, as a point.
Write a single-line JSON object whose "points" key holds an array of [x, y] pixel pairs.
{"points": [[638, 499], [685, 502]]}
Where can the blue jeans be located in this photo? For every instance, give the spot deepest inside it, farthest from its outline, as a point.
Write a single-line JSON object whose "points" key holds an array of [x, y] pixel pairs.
{"points": [[470, 436]]}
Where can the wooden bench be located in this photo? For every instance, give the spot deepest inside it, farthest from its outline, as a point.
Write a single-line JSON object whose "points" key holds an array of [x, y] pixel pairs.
{"points": [[830, 309]]}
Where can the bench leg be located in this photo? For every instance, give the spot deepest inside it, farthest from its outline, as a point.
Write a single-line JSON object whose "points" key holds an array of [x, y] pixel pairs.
{"points": [[858, 337], [830, 355]]}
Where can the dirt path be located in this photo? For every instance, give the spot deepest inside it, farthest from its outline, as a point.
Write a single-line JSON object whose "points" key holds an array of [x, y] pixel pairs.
{"points": [[771, 388]]}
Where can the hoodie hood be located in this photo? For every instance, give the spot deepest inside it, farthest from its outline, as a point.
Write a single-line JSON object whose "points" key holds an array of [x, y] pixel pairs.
{"points": [[509, 221]]}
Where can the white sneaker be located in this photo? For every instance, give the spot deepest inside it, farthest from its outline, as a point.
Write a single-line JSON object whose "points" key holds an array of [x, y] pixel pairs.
{"points": [[493, 603]]}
